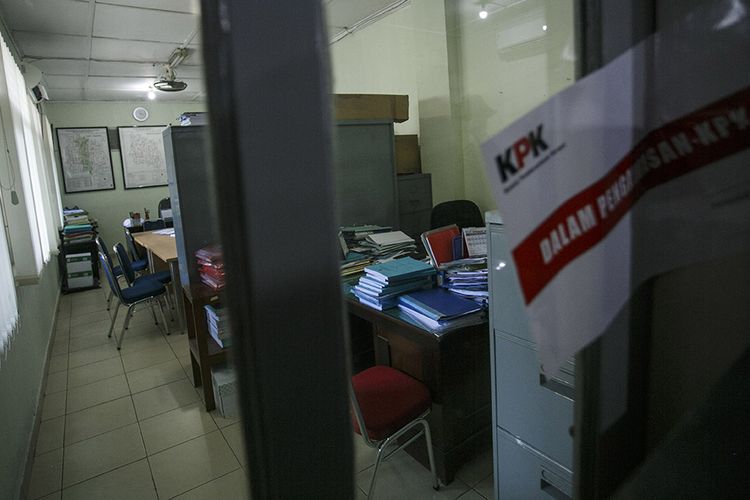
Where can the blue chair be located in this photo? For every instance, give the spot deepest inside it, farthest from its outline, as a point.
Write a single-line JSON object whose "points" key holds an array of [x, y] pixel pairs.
{"points": [[116, 270], [146, 291], [151, 225], [137, 262], [162, 277]]}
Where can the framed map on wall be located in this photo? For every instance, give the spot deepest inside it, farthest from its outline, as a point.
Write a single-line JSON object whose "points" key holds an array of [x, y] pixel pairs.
{"points": [[144, 163], [84, 159]]}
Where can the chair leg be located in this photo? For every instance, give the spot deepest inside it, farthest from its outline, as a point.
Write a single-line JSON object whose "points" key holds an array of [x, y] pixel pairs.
{"points": [[168, 301], [114, 318], [430, 455], [378, 460], [125, 325], [164, 320], [153, 312], [109, 298]]}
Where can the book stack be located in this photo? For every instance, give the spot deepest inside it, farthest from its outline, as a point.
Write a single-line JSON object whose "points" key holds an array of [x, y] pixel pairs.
{"points": [[383, 283], [437, 308], [218, 325], [77, 226], [193, 118], [467, 278], [354, 263], [211, 266]]}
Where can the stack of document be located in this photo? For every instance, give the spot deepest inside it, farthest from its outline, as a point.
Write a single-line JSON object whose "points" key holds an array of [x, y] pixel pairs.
{"points": [[389, 245], [467, 278], [354, 263], [382, 283], [218, 325], [78, 232], [437, 308], [211, 266]]}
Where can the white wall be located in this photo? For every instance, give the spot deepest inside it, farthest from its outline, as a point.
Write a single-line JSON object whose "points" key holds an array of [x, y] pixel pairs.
{"points": [[407, 53], [111, 207]]}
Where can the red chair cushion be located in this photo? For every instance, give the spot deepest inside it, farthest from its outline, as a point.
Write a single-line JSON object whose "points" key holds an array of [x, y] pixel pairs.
{"points": [[389, 399]]}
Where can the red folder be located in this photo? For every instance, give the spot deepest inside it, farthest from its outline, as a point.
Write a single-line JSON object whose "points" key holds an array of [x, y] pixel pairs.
{"points": [[439, 243]]}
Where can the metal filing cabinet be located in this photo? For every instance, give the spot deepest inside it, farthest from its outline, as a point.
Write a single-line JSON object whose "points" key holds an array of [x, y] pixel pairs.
{"points": [[414, 203], [532, 414]]}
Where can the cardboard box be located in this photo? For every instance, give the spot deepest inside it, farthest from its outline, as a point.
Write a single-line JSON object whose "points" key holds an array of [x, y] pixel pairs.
{"points": [[226, 391], [371, 107], [408, 160], [78, 263]]}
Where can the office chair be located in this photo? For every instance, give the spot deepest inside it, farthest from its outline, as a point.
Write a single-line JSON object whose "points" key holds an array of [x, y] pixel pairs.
{"points": [[145, 291], [162, 277], [116, 270], [150, 225], [137, 261], [463, 213], [386, 404], [164, 204]]}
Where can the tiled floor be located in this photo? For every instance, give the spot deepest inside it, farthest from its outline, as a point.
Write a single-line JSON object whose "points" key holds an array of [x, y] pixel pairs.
{"points": [[130, 425]]}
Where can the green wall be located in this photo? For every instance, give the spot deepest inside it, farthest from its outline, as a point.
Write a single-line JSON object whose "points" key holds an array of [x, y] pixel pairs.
{"points": [[21, 372], [111, 207]]}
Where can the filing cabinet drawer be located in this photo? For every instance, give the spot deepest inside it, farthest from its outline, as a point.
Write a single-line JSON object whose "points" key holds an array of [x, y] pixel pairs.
{"points": [[415, 223], [414, 193], [507, 302], [525, 474], [538, 410]]}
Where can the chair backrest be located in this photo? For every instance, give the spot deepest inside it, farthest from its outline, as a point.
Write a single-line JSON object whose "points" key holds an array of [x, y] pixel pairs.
{"points": [[109, 273], [127, 268], [103, 250], [463, 213], [131, 246], [150, 225]]}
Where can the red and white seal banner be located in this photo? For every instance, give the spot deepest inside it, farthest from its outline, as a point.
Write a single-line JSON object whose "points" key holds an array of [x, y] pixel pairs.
{"points": [[639, 168]]}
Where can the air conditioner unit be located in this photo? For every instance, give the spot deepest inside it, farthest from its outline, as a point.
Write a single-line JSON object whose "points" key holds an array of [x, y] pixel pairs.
{"points": [[38, 93]]}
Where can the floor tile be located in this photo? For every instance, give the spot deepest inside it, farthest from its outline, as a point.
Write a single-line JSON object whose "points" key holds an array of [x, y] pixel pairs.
{"points": [[220, 420], [52, 496], [164, 398], [486, 488], [58, 363], [364, 456], [50, 435], [88, 374], [477, 469], [98, 420], [188, 465], [471, 495], [62, 322], [233, 435], [77, 344], [179, 343], [100, 327], [88, 319], [401, 476], [102, 453], [60, 347], [153, 376], [92, 355], [89, 395], [90, 307], [56, 382], [137, 343], [130, 482], [149, 357], [54, 405], [46, 474], [232, 486], [175, 426]]}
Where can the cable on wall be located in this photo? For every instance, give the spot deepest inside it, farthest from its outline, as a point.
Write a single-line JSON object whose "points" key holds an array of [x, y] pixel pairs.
{"points": [[366, 21]]}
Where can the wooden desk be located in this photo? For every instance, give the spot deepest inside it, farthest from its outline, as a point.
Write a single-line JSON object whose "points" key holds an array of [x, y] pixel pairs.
{"points": [[162, 252], [455, 366]]}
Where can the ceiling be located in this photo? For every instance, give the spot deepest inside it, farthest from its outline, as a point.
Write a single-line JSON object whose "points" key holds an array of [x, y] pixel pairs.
{"points": [[113, 50]]}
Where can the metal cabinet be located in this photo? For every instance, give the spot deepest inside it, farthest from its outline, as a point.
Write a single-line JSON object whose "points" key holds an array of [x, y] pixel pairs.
{"points": [[414, 203], [532, 414]]}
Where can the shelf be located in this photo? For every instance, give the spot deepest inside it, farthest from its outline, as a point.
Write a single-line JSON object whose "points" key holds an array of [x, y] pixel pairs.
{"points": [[215, 354]]}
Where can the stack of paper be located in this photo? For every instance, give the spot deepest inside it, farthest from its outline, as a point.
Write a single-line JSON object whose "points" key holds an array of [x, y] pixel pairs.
{"points": [[211, 266], [436, 307], [77, 226], [193, 118], [467, 278], [389, 245], [354, 263], [382, 283], [218, 325]]}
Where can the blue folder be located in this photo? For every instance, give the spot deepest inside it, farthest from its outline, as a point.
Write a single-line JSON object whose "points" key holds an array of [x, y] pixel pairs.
{"points": [[399, 270], [439, 304]]}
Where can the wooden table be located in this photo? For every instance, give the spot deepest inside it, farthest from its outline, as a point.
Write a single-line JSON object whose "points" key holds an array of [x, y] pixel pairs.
{"points": [[162, 252], [454, 365]]}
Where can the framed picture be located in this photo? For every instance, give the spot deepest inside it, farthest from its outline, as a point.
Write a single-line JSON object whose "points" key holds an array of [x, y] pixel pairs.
{"points": [[144, 163], [84, 159]]}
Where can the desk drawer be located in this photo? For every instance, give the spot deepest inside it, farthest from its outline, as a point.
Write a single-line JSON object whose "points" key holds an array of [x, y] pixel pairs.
{"points": [[414, 193], [508, 312], [525, 474], [539, 411]]}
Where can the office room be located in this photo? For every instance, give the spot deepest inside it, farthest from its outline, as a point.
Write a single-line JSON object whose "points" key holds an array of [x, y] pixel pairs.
{"points": [[342, 165]]}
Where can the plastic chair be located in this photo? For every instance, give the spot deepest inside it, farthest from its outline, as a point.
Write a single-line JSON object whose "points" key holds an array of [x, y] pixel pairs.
{"points": [[150, 225], [147, 291], [137, 261], [162, 277], [463, 213], [386, 404]]}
